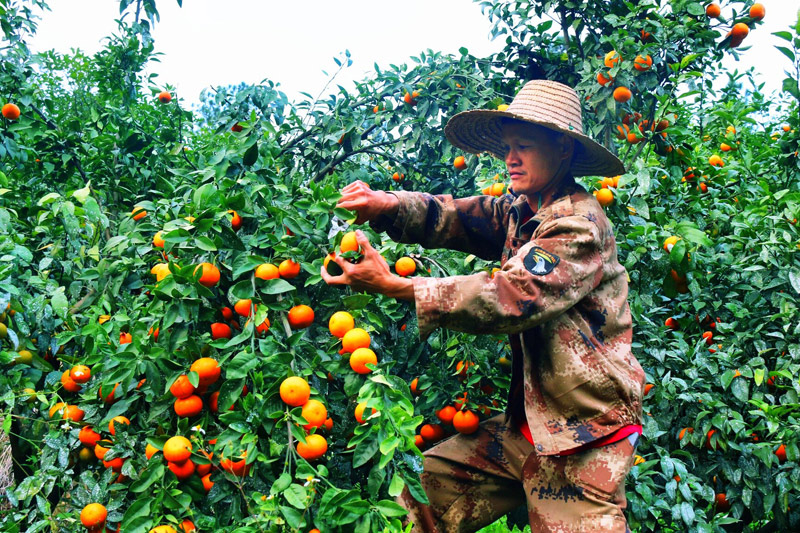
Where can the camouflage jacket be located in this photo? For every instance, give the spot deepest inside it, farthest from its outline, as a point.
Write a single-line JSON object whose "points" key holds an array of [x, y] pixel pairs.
{"points": [[561, 296]]}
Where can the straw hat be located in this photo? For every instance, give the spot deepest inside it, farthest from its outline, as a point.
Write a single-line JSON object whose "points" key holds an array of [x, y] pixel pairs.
{"points": [[549, 104]]}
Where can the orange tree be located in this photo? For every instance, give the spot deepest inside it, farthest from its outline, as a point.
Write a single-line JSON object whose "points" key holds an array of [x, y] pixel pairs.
{"points": [[135, 235]]}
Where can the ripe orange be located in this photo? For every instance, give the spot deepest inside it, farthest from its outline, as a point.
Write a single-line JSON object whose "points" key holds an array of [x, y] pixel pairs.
{"points": [[177, 449], [68, 383], [163, 529], [671, 323], [93, 515], [295, 391], [313, 448], [757, 11], [647, 388], [220, 330], [413, 386], [721, 503], [354, 339], [160, 271], [243, 307], [207, 369], [716, 161], [182, 387], [360, 358], [725, 147], [405, 266], [396, 176], [108, 398], [72, 412], [80, 373], [669, 242], [288, 269], [267, 271], [116, 421], [340, 323], [446, 414], [182, 470], [261, 329], [88, 436], [622, 94], [739, 31], [605, 197], [611, 59], [209, 276], [643, 63], [236, 220], [419, 442], [431, 432], [459, 163], [207, 483], [604, 80], [137, 213], [359, 412], [301, 316], [497, 189], [349, 242], [125, 338], [410, 98], [466, 422], [187, 526], [780, 453], [158, 240], [153, 332], [164, 97], [189, 406], [150, 451], [684, 431], [11, 111], [713, 11], [226, 312], [315, 414]]}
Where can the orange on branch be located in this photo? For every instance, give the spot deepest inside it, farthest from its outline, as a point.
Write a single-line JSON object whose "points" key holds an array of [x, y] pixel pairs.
{"points": [[301, 316], [405, 266], [315, 414], [360, 358], [354, 339], [177, 449], [340, 323], [313, 448], [288, 269], [294, 391], [267, 271]]}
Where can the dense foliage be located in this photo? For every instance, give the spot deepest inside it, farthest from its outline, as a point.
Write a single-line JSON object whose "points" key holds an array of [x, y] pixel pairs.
{"points": [[252, 178]]}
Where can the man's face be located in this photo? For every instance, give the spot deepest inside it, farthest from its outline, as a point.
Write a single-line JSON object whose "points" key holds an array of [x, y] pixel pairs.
{"points": [[533, 157]]}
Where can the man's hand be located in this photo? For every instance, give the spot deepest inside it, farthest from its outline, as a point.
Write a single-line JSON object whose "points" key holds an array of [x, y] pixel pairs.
{"points": [[371, 274], [367, 204]]}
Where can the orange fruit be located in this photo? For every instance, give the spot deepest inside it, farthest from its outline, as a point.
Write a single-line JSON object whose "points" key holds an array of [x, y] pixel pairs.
{"points": [[11, 111], [419, 442], [497, 189], [236, 220], [405, 266], [164, 97], [88, 436], [713, 11], [328, 425], [295, 391], [725, 147], [187, 526], [189, 406], [150, 451], [80, 373], [158, 240], [669, 242], [160, 271], [68, 383], [340, 323], [182, 387], [267, 271], [153, 332], [301, 316], [459, 163], [605, 197], [220, 330], [236, 128], [108, 398], [622, 94], [647, 388], [643, 63], [349, 242], [780, 453], [117, 420], [757, 11], [288, 269], [163, 529], [721, 503], [466, 422], [360, 358], [604, 80], [262, 328], [409, 98], [315, 414], [177, 449], [313, 448], [226, 312], [182, 470], [137, 213], [209, 276], [354, 339], [611, 59], [207, 369], [243, 307], [684, 431], [716, 161], [671, 323], [396, 176], [125, 338], [207, 483], [446, 414], [739, 31], [413, 386], [359, 412], [93, 515], [431, 432]]}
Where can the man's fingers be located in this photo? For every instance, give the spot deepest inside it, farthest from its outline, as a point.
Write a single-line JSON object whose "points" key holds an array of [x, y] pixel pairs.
{"points": [[363, 242], [333, 280]]}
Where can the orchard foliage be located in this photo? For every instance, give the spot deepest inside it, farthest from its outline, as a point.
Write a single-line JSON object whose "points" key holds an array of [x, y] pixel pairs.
{"points": [[252, 178]]}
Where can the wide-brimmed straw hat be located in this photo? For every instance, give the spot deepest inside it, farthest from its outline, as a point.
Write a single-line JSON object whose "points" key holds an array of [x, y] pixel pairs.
{"points": [[549, 104]]}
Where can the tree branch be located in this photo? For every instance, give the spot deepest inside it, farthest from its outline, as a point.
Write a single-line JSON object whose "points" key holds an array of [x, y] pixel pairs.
{"points": [[80, 303], [335, 161]]}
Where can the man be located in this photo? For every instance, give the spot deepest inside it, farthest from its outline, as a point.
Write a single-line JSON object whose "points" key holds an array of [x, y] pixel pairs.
{"points": [[574, 413]]}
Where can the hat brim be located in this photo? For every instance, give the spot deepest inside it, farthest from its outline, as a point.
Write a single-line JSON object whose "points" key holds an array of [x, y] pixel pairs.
{"points": [[480, 130]]}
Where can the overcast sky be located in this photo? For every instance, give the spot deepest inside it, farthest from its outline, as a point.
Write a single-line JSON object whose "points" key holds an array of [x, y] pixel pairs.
{"points": [[211, 42]]}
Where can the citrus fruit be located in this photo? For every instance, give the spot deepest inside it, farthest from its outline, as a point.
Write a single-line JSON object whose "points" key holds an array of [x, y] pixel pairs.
{"points": [[359, 412], [80, 373], [288, 269], [354, 339], [295, 391], [189, 406], [405, 266], [431, 432], [182, 387], [611, 59], [622, 94], [164, 97], [68, 383], [177, 449], [313, 448], [116, 421], [757, 11], [360, 358], [459, 163], [236, 220], [340, 323], [466, 422], [158, 240], [88, 436], [182, 470], [446, 414], [605, 197], [207, 369], [643, 63], [209, 275], [713, 11], [244, 307], [93, 515], [11, 111], [220, 330], [349, 242], [315, 414], [267, 271]]}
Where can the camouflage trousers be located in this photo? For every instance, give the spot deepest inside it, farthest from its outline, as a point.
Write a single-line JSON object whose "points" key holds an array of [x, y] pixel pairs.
{"points": [[472, 480]]}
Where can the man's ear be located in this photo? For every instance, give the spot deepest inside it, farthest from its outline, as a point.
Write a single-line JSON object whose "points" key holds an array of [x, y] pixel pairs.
{"points": [[567, 144]]}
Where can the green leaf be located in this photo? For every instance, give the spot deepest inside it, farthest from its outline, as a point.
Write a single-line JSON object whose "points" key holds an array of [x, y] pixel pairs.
{"points": [[154, 472], [277, 286], [390, 508], [788, 53], [281, 484], [140, 508], [240, 365], [204, 243], [396, 485], [251, 155], [296, 495], [59, 303], [82, 194]]}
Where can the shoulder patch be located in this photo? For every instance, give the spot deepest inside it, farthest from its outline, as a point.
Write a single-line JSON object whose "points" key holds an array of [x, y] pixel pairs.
{"points": [[540, 262]]}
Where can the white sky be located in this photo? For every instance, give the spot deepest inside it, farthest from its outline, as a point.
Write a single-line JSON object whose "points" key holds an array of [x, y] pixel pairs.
{"points": [[213, 42]]}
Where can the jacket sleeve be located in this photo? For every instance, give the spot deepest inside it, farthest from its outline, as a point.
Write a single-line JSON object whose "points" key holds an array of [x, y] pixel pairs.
{"points": [[548, 275], [474, 225]]}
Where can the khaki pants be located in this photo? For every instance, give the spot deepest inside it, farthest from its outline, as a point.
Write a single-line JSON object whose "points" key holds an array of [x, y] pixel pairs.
{"points": [[472, 480]]}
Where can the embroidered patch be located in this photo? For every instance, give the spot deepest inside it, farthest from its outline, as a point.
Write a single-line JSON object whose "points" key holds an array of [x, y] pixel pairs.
{"points": [[540, 261]]}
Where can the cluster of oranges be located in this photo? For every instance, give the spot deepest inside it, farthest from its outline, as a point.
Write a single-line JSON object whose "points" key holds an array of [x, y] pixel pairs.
{"points": [[739, 30], [94, 515], [187, 397], [295, 392], [604, 195]]}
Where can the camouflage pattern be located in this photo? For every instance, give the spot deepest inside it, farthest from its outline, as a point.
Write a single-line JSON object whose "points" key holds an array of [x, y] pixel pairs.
{"points": [[472, 480], [561, 296]]}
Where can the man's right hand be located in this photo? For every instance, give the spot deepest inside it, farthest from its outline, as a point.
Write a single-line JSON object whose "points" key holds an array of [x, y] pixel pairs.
{"points": [[367, 204]]}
